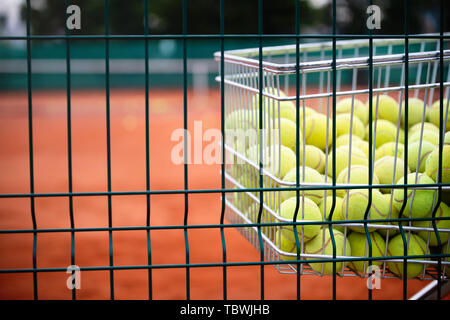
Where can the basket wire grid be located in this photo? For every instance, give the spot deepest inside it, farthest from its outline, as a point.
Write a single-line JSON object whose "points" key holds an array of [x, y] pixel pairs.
{"points": [[242, 90], [243, 77]]}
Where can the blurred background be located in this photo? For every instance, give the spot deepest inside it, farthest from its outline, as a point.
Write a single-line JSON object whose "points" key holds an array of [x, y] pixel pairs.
{"points": [[165, 17], [88, 153]]}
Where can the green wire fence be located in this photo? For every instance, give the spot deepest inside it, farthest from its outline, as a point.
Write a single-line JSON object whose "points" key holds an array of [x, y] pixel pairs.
{"points": [[245, 74]]}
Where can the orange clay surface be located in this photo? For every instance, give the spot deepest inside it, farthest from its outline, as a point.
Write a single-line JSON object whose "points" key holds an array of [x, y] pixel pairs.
{"points": [[89, 166]]}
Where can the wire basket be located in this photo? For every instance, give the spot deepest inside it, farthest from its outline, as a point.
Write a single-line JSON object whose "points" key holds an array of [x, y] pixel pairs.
{"points": [[258, 161]]}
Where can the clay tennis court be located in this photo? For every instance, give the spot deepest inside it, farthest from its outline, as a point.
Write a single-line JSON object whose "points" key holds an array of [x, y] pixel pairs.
{"points": [[128, 173]]}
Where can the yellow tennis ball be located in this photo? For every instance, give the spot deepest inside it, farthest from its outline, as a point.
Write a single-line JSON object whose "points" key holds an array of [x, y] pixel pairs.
{"points": [[307, 211], [427, 135], [416, 161], [359, 108], [390, 149], [356, 174], [276, 108], [305, 111], [344, 140], [356, 202], [416, 111], [309, 176], [428, 126], [442, 212], [360, 248], [432, 163], [420, 200], [322, 245], [283, 132], [416, 246], [325, 208], [384, 131], [385, 171], [285, 245], [345, 122], [434, 113], [386, 106], [393, 214], [277, 159], [363, 145], [315, 130], [345, 159], [314, 157]]}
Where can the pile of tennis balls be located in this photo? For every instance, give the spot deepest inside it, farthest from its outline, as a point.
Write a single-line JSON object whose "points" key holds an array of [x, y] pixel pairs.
{"points": [[352, 160]]}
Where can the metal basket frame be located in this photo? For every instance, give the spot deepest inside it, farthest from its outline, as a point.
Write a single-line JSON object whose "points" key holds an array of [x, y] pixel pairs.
{"points": [[241, 84]]}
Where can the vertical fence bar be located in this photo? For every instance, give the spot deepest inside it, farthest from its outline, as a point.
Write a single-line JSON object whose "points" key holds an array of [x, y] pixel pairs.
{"points": [[185, 124], [297, 139], [442, 125], [69, 152], [147, 151], [405, 153], [30, 147], [261, 144], [222, 127], [333, 151], [108, 147], [369, 204]]}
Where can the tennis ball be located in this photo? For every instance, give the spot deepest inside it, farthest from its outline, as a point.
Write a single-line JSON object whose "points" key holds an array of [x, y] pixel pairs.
{"points": [[325, 209], [434, 114], [428, 135], [343, 122], [421, 202], [416, 111], [432, 163], [359, 174], [384, 131], [322, 245], [245, 119], [363, 146], [359, 108], [384, 169], [393, 214], [360, 248], [307, 211], [442, 212], [241, 200], [416, 161], [305, 111], [415, 245], [357, 201], [285, 245], [343, 160], [284, 132], [310, 176], [344, 140], [315, 130], [386, 106], [276, 108], [389, 149], [428, 126], [314, 157], [277, 159]]}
